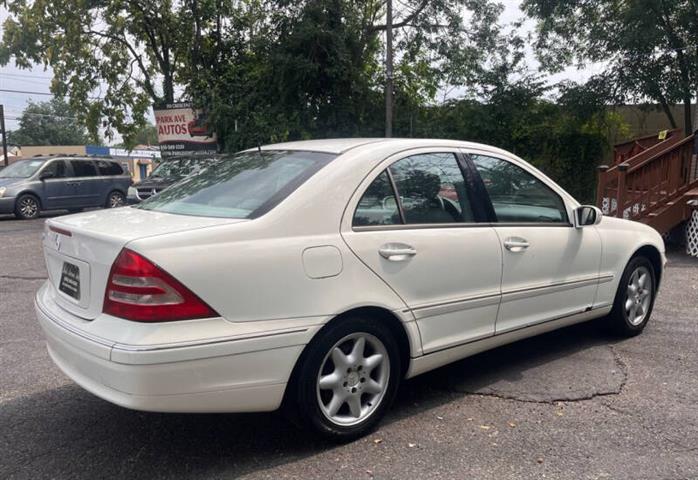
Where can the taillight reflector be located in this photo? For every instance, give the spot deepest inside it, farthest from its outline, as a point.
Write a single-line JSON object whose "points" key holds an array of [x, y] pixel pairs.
{"points": [[141, 291]]}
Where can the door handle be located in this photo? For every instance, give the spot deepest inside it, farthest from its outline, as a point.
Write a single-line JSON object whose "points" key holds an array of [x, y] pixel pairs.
{"points": [[516, 244], [397, 252]]}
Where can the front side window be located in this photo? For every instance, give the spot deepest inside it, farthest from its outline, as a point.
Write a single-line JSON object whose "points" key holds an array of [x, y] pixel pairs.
{"points": [[245, 185], [55, 169], [518, 196], [83, 168]]}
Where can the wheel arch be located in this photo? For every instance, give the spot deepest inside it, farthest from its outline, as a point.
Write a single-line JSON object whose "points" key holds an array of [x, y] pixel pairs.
{"points": [[382, 314], [33, 194], [653, 254]]}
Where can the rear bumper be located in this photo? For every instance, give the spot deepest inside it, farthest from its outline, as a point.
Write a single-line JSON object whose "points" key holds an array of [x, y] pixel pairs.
{"points": [[202, 378], [7, 205]]}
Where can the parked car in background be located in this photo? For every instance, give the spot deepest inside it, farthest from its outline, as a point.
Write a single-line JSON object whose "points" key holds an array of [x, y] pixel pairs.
{"points": [[61, 183], [320, 274], [168, 172]]}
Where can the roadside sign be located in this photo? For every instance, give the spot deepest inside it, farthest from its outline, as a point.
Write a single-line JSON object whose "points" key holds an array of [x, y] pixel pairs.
{"points": [[183, 130]]}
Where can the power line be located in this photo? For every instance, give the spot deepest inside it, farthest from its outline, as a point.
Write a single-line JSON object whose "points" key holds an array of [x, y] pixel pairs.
{"points": [[25, 75], [27, 92], [17, 117]]}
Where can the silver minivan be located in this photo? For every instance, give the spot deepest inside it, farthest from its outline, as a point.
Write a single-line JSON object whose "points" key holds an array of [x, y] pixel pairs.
{"points": [[61, 183]]}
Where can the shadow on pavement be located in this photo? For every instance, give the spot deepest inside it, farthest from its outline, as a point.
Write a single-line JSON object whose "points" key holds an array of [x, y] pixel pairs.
{"points": [[66, 432]]}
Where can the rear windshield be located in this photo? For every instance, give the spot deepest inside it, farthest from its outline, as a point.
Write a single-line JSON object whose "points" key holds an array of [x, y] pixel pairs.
{"points": [[245, 185], [21, 169], [178, 168]]}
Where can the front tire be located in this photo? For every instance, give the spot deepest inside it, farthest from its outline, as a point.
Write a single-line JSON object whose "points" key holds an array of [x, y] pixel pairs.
{"points": [[635, 298], [27, 207], [347, 379]]}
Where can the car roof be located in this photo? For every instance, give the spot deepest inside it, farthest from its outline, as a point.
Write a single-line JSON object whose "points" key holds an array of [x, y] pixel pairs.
{"points": [[69, 157], [342, 145]]}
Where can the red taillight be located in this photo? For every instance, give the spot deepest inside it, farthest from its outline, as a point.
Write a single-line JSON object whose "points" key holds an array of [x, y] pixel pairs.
{"points": [[139, 290]]}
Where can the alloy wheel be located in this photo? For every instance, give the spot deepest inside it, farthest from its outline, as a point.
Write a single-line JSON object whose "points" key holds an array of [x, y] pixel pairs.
{"points": [[638, 295], [28, 207], [116, 200], [353, 379]]}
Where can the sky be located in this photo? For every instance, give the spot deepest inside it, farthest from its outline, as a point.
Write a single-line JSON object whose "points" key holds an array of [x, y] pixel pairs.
{"points": [[38, 80]]}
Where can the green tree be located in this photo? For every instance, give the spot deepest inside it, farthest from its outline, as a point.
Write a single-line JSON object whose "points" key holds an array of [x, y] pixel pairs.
{"points": [[111, 59], [290, 70], [48, 123], [650, 47]]}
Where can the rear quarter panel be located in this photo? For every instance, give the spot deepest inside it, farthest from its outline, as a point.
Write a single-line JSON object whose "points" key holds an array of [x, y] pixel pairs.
{"points": [[247, 273]]}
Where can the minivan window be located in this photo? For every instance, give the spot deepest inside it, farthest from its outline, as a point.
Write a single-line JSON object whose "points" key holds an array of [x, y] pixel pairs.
{"points": [[83, 168], [245, 185], [109, 168], [55, 169], [21, 169]]}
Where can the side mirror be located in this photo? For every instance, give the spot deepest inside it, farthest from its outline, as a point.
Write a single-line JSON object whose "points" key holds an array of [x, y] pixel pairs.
{"points": [[45, 175], [587, 215]]}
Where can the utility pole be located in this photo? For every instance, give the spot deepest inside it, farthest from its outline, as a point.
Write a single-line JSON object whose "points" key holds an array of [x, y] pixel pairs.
{"points": [[4, 135], [389, 70]]}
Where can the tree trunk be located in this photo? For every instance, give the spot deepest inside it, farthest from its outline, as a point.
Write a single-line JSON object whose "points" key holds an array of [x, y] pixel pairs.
{"points": [[389, 70], [667, 111], [688, 120]]}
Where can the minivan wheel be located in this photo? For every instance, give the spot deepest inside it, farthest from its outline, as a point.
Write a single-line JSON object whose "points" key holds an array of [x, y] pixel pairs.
{"points": [[27, 207], [634, 298], [115, 199], [347, 379]]}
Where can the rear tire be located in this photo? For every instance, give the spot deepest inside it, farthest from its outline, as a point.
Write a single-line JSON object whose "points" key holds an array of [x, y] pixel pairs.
{"points": [[634, 300], [115, 199], [27, 207], [346, 379]]}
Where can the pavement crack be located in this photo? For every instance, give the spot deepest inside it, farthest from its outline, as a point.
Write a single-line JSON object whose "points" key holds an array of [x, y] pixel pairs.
{"points": [[548, 401], [620, 364]]}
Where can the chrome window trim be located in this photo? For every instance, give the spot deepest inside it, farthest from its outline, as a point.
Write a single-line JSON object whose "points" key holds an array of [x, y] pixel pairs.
{"points": [[421, 226]]}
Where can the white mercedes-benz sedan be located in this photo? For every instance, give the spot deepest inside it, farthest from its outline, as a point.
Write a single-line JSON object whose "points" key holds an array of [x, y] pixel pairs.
{"points": [[319, 274]]}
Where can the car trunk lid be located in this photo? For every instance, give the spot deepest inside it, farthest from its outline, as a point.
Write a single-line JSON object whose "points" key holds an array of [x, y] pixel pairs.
{"points": [[80, 250]]}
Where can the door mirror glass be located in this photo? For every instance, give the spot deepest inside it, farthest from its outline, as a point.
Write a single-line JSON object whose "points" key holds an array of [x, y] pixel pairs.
{"points": [[587, 215], [46, 174]]}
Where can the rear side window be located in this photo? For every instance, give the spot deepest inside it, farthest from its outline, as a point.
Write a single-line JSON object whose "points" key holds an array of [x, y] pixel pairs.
{"points": [[109, 168], [430, 190], [83, 168], [245, 185], [378, 205], [518, 196]]}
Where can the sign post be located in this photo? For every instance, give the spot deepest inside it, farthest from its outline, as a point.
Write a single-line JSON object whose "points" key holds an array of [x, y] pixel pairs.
{"points": [[183, 130], [4, 134]]}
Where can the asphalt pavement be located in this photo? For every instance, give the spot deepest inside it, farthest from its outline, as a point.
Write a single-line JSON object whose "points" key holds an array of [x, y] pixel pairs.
{"points": [[572, 404]]}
